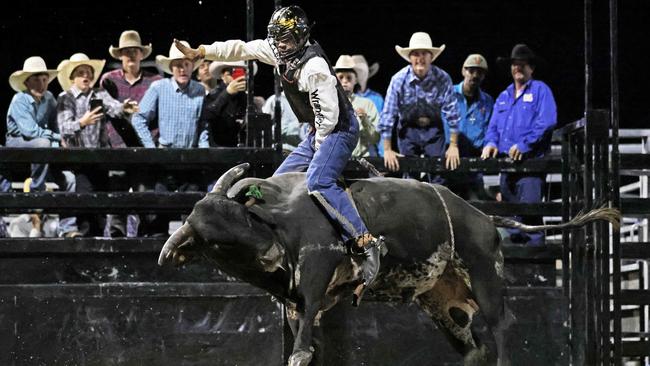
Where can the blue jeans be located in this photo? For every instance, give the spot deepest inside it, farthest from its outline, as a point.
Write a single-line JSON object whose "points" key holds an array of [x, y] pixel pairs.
{"points": [[524, 189], [323, 168], [39, 171], [415, 141]]}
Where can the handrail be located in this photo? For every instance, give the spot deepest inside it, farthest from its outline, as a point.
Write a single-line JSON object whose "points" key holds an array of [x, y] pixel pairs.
{"points": [[213, 158]]}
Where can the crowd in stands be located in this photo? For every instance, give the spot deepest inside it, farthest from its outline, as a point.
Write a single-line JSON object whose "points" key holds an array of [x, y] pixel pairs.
{"points": [[203, 104]]}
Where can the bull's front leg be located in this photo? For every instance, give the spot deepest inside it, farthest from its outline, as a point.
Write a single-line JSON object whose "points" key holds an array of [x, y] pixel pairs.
{"points": [[302, 346], [314, 272]]}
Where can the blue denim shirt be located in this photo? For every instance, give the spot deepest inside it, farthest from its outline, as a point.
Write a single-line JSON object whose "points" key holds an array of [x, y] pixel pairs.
{"points": [[29, 119], [525, 121], [474, 120]]}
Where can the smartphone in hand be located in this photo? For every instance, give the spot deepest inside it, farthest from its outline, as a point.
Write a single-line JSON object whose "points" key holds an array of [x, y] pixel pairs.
{"points": [[96, 102], [237, 72]]}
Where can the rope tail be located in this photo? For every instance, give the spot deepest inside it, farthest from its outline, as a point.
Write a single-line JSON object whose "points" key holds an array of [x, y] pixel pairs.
{"points": [[612, 215]]}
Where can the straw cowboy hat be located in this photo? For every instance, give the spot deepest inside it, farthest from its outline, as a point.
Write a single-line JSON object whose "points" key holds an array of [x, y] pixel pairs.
{"points": [[346, 62], [31, 66], [66, 67], [130, 38], [216, 67], [419, 41], [365, 72], [174, 54]]}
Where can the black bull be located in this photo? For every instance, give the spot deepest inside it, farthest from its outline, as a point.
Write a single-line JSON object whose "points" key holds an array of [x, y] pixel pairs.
{"points": [[443, 253]]}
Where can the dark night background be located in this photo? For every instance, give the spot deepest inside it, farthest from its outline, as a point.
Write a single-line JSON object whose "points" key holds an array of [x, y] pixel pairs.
{"points": [[554, 29]]}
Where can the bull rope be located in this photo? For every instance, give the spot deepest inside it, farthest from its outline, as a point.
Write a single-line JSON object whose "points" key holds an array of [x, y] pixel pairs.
{"points": [[451, 228]]}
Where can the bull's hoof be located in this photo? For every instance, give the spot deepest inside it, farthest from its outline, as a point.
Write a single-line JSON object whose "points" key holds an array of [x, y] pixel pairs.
{"points": [[300, 358]]}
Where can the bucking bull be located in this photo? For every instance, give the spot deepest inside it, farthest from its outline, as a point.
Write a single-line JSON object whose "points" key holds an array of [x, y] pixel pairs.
{"points": [[442, 253]]}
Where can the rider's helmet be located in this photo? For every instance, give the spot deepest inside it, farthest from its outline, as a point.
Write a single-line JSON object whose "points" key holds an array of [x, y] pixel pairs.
{"points": [[288, 25]]}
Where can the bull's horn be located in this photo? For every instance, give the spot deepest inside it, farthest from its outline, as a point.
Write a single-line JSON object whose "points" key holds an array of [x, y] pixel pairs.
{"points": [[229, 177], [178, 237]]}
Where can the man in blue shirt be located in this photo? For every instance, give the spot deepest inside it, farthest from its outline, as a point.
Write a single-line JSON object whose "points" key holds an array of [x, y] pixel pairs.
{"points": [[522, 121], [176, 102], [418, 97], [31, 119], [475, 107], [31, 122]]}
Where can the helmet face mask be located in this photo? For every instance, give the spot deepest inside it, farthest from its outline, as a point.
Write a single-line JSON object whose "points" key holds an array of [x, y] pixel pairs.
{"points": [[288, 32]]}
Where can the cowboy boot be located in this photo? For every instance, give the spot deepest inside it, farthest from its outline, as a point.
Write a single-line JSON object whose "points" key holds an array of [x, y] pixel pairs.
{"points": [[371, 250]]}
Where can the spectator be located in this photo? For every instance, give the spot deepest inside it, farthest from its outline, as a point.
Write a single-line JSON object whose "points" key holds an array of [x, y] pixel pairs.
{"points": [[31, 119], [207, 76], [365, 72], [224, 108], [130, 81], [176, 102], [346, 71], [475, 107], [316, 97], [83, 126], [292, 130], [521, 125], [418, 98], [31, 123]]}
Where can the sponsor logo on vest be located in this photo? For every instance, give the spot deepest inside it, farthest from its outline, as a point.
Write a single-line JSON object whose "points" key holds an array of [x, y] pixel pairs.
{"points": [[315, 102]]}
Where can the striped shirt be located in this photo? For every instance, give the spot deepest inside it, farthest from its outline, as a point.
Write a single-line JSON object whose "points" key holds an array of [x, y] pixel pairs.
{"points": [[72, 105], [178, 111], [406, 88]]}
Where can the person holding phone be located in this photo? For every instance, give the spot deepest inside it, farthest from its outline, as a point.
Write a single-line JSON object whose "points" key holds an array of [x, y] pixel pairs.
{"points": [[224, 108], [316, 97], [82, 124]]}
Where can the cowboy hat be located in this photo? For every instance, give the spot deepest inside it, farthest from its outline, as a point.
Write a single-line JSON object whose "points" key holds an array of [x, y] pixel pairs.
{"points": [[365, 72], [520, 52], [66, 67], [32, 65], [476, 60], [174, 54], [130, 38], [345, 63], [216, 67], [419, 41]]}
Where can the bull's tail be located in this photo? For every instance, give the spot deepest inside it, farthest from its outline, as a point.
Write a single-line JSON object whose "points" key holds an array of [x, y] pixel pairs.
{"points": [[612, 215], [372, 170]]}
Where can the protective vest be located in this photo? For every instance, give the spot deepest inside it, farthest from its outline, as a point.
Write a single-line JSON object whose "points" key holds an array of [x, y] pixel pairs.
{"points": [[299, 100]]}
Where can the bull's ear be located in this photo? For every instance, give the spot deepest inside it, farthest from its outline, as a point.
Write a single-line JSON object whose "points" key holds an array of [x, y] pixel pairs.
{"points": [[262, 213]]}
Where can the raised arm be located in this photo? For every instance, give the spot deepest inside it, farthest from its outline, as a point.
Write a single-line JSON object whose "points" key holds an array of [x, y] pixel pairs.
{"points": [[233, 50]]}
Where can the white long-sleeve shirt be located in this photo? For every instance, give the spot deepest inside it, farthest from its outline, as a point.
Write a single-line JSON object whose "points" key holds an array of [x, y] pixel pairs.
{"points": [[314, 78]]}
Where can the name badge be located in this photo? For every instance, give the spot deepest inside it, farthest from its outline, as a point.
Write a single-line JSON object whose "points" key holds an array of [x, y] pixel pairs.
{"points": [[528, 97]]}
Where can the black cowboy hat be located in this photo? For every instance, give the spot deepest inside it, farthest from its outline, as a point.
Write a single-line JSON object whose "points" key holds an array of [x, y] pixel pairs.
{"points": [[520, 52]]}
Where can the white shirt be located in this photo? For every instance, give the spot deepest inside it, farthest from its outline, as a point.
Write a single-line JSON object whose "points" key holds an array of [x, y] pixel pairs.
{"points": [[314, 78]]}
